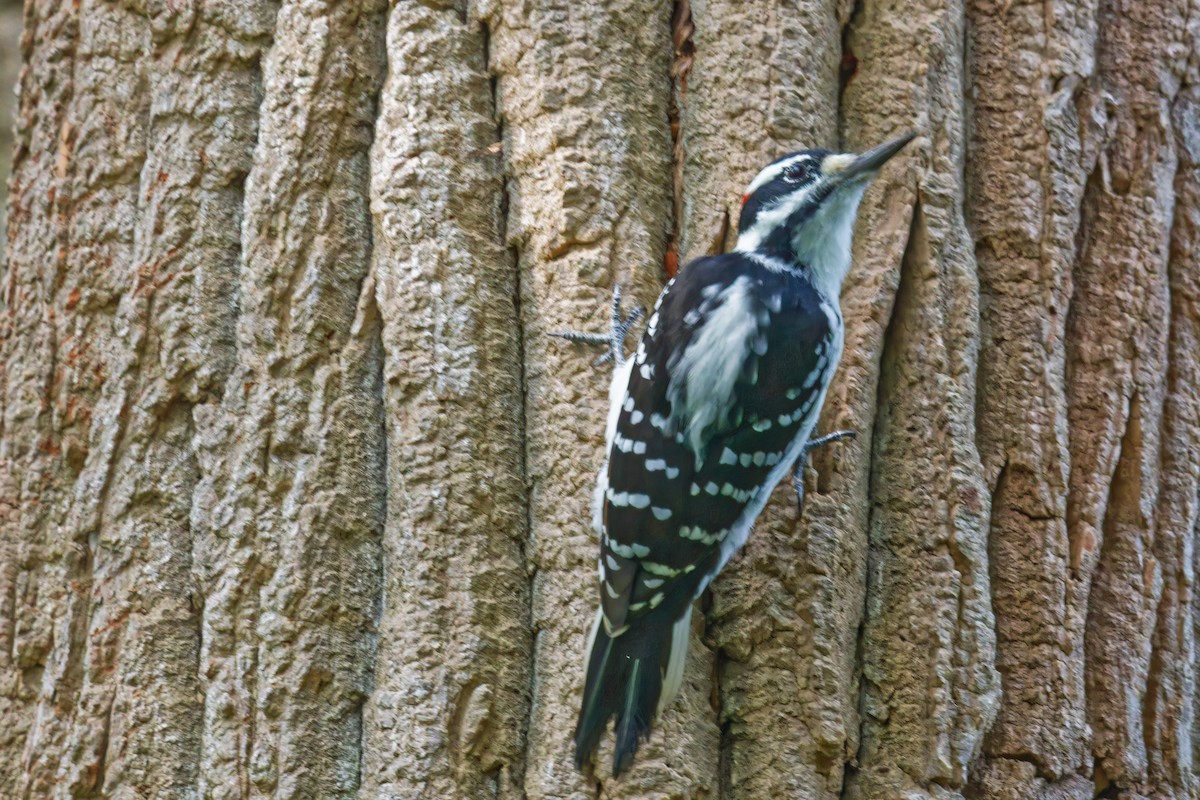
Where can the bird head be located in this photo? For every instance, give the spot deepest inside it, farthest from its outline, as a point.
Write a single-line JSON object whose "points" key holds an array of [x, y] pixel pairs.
{"points": [[800, 209]]}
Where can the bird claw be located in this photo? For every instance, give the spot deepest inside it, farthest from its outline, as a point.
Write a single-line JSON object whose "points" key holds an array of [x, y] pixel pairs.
{"points": [[809, 446], [614, 340]]}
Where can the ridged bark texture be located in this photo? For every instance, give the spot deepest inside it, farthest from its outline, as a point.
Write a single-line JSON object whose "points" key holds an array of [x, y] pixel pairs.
{"points": [[295, 483]]}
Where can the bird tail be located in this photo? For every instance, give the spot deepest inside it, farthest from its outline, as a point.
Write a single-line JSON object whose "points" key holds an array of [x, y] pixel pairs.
{"points": [[632, 676]]}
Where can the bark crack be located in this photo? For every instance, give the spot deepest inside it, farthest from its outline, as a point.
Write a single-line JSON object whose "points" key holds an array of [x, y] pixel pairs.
{"points": [[848, 64], [522, 407], [368, 309], [1093, 186], [683, 49]]}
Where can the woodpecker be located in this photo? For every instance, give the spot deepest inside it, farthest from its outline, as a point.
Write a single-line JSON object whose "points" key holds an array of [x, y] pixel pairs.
{"points": [[712, 412]]}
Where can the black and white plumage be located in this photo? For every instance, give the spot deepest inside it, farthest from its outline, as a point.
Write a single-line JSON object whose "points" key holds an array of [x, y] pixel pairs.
{"points": [[713, 410]]}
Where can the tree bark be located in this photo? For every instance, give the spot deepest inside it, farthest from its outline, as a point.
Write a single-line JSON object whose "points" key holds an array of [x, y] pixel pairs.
{"points": [[295, 483]]}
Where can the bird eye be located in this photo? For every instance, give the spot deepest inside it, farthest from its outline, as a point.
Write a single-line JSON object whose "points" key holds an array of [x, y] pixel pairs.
{"points": [[798, 173]]}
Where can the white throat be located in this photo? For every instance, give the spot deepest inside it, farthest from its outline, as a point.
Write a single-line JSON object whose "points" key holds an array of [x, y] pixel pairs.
{"points": [[823, 242]]}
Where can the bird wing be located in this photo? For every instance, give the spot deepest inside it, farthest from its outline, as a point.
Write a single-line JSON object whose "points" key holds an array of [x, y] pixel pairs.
{"points": [[726, 377]]}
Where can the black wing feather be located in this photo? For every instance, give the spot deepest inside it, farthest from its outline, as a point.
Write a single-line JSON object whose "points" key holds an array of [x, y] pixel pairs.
{"points": [[798, 336]]}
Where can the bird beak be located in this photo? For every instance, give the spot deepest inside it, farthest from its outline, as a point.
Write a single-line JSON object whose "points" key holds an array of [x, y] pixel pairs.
{"points": [[876, 157]]}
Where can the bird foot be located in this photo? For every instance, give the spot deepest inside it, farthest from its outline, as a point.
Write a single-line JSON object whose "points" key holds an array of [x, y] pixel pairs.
{"points": [[614, 340], [813, 444]]}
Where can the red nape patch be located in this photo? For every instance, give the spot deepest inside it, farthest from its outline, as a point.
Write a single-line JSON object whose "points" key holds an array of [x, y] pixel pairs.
{"points": [[671, 262], [745, 197]]}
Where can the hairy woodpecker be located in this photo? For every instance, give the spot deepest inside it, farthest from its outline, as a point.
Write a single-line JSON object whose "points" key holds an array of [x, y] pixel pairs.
{"points": [[716, 407]]}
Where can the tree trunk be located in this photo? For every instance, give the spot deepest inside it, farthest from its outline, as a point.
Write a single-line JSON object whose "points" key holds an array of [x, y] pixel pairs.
{"points": [[294, 483]]}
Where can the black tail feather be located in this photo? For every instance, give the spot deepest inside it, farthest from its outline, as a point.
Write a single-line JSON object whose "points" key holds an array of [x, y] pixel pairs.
{"points": [[595, 711], [624, 680]]}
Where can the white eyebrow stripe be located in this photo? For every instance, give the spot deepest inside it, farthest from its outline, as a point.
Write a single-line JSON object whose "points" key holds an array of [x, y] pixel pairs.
{"points": [[771, 172]]}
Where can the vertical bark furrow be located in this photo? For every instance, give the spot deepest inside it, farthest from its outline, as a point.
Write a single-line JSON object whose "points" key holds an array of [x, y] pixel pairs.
{"points": [[1169, 707], [291, 509], [929, 689], [170, 351], [11, 26], [1117, 340], [584, 91], [32, 566], [871, 109], [929, 685], [1025, 183], [683, 51], [103, 154], [60, 298], [448, 714]]}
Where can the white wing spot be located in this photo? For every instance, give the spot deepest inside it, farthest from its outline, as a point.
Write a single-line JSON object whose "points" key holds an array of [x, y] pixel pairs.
{"points": [[647, 371], [660, 513], [700, 535], [639, 500], [629, 445], [817, 374], [624, 551], [728, 456]]}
